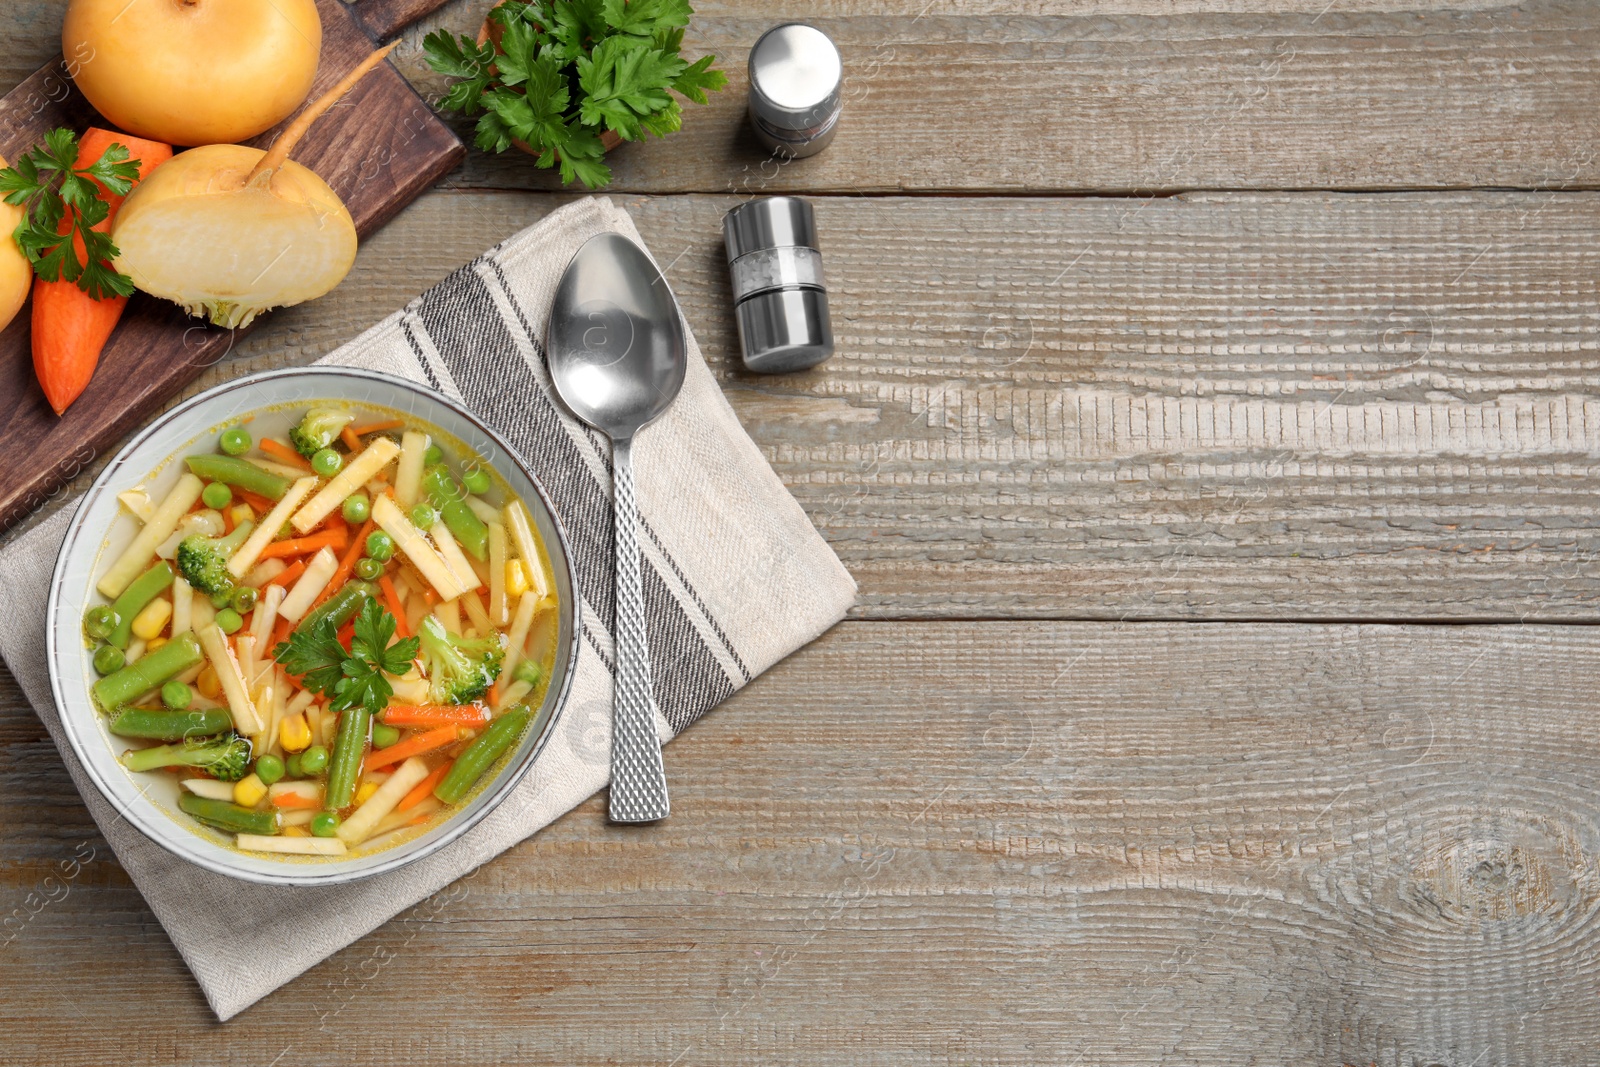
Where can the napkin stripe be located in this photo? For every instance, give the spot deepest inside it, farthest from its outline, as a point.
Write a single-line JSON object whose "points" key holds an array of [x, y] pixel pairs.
{"points": [[477, 348]]}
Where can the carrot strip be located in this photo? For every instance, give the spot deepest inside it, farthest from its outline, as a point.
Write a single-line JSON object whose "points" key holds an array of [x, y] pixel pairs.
{"points": [[294, 800], [341, 573], [351, 441], [255, 500], [424, 787], [391, 600], [280, 633], [435, 715], [376, 427], [304, 546], [412, 746], [283, 453], [227, 520], [289, 574]]}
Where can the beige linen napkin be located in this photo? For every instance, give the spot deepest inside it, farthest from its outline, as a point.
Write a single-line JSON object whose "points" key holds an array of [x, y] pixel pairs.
{"points": [[735, 577]]}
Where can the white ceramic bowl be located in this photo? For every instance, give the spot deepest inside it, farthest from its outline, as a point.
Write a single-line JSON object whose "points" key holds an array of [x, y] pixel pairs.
{"points": [[99, 530]]}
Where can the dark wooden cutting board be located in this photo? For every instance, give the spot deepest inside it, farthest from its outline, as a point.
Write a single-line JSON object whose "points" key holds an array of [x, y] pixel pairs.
{"points": [[379, 149]]}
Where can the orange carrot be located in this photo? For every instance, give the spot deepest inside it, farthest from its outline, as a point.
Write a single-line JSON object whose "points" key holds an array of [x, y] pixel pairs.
{"points": [[420, 792], [391, 600], [436, 715], [283, 453], [70, 327], [412, 746], [289, 574], [294, 800], [255, 500], [376, 427], [341, 574], [304, 546], [280, 632], [351, 441], [227, 520]]}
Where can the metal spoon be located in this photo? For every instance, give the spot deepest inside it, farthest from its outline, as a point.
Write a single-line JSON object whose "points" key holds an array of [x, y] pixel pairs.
{"points": [[617, 358]]}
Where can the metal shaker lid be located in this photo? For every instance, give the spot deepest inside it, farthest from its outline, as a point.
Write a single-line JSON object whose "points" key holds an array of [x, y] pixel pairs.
{"points": [[771, 222], [796, 77]]}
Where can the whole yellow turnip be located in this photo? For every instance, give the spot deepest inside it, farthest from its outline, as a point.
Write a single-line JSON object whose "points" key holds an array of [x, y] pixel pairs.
{"points": [[193, 72], [16, 273]]}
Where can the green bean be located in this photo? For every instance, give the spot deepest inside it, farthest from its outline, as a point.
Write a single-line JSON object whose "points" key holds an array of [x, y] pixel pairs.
{"points": [[161, 724], [461, 520], [348, 748], [140, 592], [226, 815], [341, 607], [150, 671], [477, 757], [239, 472]]}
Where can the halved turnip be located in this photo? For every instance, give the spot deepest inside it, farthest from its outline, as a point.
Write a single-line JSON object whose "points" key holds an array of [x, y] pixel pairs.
{"points": [[228, 232]]}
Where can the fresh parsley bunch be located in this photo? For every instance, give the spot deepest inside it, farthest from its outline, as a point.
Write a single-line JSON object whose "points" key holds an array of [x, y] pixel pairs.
{"points": [[48, 183], [355, 678], [565, 72]]}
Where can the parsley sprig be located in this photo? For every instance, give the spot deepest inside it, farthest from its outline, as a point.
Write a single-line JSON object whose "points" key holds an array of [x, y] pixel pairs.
{"points": [[359, 677], [566, 71], [48, 183]]}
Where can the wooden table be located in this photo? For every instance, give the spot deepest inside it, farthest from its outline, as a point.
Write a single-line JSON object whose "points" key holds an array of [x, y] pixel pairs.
{"points": [[1213, 435]]}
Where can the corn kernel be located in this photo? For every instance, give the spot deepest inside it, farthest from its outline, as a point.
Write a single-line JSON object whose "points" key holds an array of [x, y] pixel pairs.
{"points": [[294, 735], [243, 513], [153, 618], [516, 578], [365, 792], [155, 643], [295, 831], [208, 683], [249, 790]]}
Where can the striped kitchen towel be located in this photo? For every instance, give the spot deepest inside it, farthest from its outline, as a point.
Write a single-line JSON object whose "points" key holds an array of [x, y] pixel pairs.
{"points": [[735, 578]]}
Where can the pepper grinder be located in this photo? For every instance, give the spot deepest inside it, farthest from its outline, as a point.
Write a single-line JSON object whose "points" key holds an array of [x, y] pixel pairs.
{"points": [[796, 89], [780, 299]]}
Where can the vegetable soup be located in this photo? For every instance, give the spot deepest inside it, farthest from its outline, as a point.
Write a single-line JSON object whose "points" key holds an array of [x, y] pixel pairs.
{"points": [[331, 628]]}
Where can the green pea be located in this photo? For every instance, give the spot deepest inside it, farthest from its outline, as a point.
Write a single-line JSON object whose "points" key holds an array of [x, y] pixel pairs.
{"points": [[314, 760], [423, 516], [433, 455], [228, 621], [99, 621], [244, 599], [357, 507], [380, 546], [216, 495], [324, 824], [384, 735], [235, 441], [176, 695], [476, 478], [327, 462], [368, 569], [293, 768], [108, 658], [269, 769]]}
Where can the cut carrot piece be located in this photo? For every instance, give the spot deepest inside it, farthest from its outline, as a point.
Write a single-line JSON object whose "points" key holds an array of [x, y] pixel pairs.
{"points": [[351, 441], [255, 500], [289, 574], [283, 453], [412, 746], [304, 546], [294, 800], [424, 787], [436, 715], [376, 427], [391, 600]]}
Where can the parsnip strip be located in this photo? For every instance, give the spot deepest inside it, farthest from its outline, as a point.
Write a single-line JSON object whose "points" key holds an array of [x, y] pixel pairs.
{"points": [[310, 586], [245, 720], [209, 788], [408, 474], [262, 535], [499, 612], [454, 558], [282, 470], [512, 694], [357, 470], [182, 600], [449, 615], [416, 548], [483, 509], [264, 572], [292, 846], [265, 616], [361, 822], [137, 501], [138, 554], [475, 612], [527, 605], [521, 530]]}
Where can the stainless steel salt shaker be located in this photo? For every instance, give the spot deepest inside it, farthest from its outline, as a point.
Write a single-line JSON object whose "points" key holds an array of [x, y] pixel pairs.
{"points": [[780, 299], [796, 89]]}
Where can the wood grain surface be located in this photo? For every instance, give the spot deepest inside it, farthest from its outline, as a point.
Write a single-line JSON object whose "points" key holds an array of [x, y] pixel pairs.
{"points": [[378, 149], [1073, 843]]}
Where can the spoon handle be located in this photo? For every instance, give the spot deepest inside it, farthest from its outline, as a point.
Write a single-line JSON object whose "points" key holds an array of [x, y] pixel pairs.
{"points": [[638, 780]]}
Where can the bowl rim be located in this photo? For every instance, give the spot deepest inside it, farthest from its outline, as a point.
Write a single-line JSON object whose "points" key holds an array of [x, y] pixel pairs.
{"points": [[295, 875]]}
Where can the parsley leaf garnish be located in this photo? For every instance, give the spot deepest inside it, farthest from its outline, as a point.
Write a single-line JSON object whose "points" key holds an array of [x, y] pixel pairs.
{"points": [[49, 185], [359, 677]]}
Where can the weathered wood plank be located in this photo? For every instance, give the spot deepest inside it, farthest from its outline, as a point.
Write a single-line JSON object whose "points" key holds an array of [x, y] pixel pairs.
{"points": [[978, 843], [1141, 96], [1226, 406]]}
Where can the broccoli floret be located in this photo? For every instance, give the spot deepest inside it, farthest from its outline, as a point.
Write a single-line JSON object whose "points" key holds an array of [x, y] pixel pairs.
{"points": [[318, 429], [528, 671], [203, 561], [226, 758], [460, 669]]}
